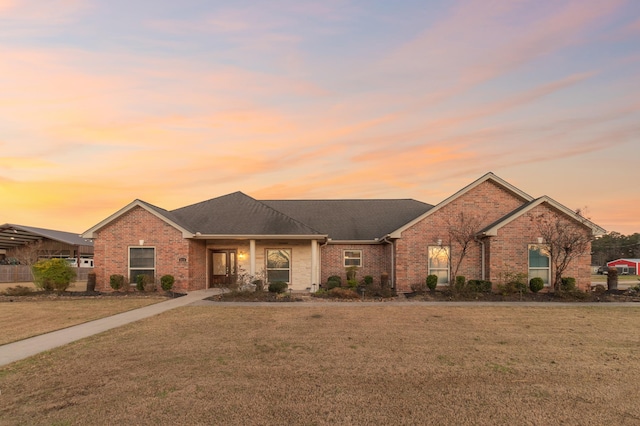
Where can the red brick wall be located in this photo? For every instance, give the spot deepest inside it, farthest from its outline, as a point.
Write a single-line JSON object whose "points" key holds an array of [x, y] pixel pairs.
{"points": [[487, 201], [376, 259], [508, 251], [113, 241]]}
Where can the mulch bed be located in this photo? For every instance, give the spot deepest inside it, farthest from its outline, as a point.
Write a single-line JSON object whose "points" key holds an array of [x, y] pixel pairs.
{"points": [[76, 295]]}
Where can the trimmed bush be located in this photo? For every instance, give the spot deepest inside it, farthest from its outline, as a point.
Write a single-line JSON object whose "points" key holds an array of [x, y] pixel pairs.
{"points": [[278, 287], [53, 274], [568, 284], [368, 279], [352, 283], [460, 283], [536, 284], [166, 282], [116, 281], [432, 282], [142, 281], [335, 278], [479, 286]]}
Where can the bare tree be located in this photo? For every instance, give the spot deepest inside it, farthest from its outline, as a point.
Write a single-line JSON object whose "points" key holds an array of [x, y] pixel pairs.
{"points": [[461, 231], [564, 241], [29, 253]]}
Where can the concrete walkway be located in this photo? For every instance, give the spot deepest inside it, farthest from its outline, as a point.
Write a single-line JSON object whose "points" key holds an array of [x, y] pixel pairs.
{"points": [[28, 347]]}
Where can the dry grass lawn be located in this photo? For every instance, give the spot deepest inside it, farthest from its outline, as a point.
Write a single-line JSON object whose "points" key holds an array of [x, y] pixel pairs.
{"points": [[320, 365], [19, 320]]}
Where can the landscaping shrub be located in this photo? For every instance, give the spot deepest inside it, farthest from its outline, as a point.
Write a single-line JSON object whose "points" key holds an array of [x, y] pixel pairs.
{"points": [[479, 286], [536, 284], [116, 281], [277, 287], [142, 282], [351, 272], [460, 283], [368, 280], [343, 293], [352, 284], [432, 282], [336, 279], [18, 290], [333, 284], [568, 284], [53, 274], [166, 282], [418, 287]]}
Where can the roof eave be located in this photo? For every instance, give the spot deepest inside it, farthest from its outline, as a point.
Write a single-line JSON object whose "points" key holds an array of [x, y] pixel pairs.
{"points": [[199, 236]]}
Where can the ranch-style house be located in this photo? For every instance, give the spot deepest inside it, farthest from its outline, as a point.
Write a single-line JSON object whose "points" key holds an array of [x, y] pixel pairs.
{"points": [[302, 242]]}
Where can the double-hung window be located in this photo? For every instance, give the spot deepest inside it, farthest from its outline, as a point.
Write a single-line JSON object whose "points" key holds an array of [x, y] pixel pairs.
{"points": [[352, 258], [142, 261], [278, 265], [539, 264], [439, 263]]}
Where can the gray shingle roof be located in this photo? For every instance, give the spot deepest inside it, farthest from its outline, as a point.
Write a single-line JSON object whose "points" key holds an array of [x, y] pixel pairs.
{"points": [[352, 219], [238, 214]]}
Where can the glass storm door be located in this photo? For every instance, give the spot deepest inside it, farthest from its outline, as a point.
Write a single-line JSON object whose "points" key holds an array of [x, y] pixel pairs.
{"points": [[224, 268]]}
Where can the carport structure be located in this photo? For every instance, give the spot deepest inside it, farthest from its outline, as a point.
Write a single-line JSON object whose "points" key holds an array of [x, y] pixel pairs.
{"points": [[54, 243]]}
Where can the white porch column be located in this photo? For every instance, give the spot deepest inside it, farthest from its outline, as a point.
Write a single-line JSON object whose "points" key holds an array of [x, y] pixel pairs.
{"points": [[252, 257], [315, 266]]}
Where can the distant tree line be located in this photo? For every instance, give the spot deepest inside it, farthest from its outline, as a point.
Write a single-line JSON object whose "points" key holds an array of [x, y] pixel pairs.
{"points": [[614, 246]]}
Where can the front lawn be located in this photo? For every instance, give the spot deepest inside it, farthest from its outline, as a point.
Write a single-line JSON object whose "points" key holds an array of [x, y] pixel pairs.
{"points": [[307, 363], [23, 317]]}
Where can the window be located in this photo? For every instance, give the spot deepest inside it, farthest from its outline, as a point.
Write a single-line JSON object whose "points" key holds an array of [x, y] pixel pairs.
{"points": [[439, 263], [278, 265], [352, 258], [539, 262], [142, 261]]}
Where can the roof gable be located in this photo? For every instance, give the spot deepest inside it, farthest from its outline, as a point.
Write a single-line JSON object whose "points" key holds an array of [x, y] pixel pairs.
{"points": [[160, 213], [492, 229], [487, 177], [241, 215]]}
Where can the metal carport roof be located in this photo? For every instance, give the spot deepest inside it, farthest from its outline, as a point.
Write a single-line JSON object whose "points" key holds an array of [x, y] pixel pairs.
{"points": [[17, 235]]}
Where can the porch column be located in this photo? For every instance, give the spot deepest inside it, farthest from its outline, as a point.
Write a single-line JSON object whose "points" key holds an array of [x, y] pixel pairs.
{"points": [[315, 270], [252, 257]]}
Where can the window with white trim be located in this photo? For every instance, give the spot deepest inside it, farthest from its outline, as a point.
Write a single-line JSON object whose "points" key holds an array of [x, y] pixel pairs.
{"points": [[539, 262], [352, 258], [439, 263], [142, 261], [278, 265]]}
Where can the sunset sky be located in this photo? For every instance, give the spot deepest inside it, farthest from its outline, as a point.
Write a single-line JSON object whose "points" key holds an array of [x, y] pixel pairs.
{"points": [[176, 102]]}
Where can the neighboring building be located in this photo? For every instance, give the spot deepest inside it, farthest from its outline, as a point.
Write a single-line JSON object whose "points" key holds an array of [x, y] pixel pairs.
{"points": [[21, 246], [303, 242], [18, 241], [625, 266]]}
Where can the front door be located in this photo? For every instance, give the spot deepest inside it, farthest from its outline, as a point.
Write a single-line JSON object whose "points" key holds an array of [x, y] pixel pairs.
{"points": [[224, 268]]}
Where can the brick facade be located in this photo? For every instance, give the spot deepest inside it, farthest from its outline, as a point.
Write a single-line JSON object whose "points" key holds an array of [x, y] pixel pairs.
{"points": [[406, 260], [483, 204], [376, 260], [508, 252], [175, 255]]}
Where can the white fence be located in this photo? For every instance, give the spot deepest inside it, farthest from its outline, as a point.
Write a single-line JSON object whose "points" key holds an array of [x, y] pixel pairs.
{"points": [[22, 274]]}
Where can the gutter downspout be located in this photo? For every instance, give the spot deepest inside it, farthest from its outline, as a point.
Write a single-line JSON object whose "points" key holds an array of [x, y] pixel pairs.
{"points": [[393, 259], [482, 255]]}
